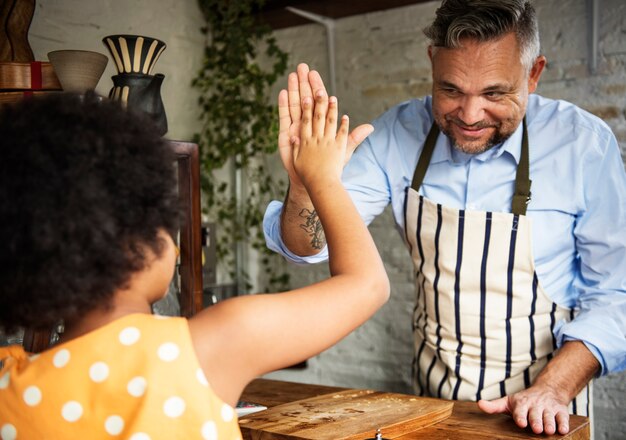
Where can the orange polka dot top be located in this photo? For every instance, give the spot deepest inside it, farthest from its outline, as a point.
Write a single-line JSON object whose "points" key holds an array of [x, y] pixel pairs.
{"points": [[136, 378]]}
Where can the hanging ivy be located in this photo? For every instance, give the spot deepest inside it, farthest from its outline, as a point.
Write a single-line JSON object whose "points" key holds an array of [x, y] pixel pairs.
{"points": [[239, 128]]}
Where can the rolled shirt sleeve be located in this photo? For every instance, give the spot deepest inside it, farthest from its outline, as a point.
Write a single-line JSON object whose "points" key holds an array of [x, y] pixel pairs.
{"points": [[600, 234]]}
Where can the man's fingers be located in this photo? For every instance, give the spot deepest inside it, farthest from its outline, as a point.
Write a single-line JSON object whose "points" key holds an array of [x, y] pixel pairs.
{"points": [[342, 134], [319, 114], [497, 406], [331, 118], [284, 120], [549, 424], [316, 83], [303, 81], [562, 422], [295, 105], [358, 135], [535, 420]]}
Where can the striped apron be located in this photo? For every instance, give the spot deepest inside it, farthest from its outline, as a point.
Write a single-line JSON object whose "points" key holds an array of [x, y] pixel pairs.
{"points": [[483, 324]]}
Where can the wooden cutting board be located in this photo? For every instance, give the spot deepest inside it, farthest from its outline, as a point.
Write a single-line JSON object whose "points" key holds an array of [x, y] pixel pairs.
{"points": [[345, 415]]}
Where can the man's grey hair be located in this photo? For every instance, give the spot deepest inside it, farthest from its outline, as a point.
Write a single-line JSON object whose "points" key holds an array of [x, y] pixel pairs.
{"points": [[486, 20]]}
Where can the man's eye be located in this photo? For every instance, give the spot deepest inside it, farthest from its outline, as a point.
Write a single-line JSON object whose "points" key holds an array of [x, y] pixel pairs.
{"points": [[493, 95], [450, 91]]}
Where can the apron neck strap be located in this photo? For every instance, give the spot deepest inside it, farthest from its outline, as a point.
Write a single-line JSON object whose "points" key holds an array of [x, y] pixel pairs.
{"points": [[521, 197]]}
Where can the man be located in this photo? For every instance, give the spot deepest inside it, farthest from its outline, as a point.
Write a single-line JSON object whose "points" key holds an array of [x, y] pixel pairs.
{"points": [[518, 316]]}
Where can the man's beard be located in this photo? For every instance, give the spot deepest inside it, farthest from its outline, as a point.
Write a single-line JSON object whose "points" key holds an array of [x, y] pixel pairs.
{"points": [[495, 139]]}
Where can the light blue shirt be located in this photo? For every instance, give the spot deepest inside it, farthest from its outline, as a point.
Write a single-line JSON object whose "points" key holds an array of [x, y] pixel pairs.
{"points": [[578, 205]]}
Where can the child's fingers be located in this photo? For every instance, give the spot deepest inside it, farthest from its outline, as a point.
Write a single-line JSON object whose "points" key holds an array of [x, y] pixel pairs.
{"points": [[331, 118], [295, 147], [307, 116], [342, 134], [319, 113]]}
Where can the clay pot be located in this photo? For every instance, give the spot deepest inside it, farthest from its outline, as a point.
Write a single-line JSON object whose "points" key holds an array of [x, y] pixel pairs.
{"points": [[78, 70], [142, 93], [134, 53]]}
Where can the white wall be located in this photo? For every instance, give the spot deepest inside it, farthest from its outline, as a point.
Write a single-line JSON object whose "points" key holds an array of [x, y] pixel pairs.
{"points": [[381, 60]]}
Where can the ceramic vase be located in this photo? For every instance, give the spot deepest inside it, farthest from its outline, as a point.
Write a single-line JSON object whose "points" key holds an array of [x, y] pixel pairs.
{"points": [[134, 53], [135, 86]]}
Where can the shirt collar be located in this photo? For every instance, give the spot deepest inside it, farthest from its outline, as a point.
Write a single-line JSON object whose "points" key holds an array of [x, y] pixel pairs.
{"points": [[445, 152]]}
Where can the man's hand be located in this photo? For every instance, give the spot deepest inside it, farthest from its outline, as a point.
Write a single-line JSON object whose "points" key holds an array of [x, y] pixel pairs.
{"points": [[537, 407], [300, 85], [543, 406]]}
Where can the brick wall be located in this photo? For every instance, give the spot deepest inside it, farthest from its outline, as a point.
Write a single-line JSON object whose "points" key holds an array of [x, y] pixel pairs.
{"points": [[381, 60]]}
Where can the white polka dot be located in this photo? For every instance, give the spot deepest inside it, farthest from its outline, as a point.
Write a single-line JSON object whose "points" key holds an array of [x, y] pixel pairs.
{"points": [[174, 407], [140, 436], [8, 432], [129, 335], [99, 372], [137, 386], [168, 351], [114, 425], [4, 381], [61, 358], [32, 396], [209, 431], [227, 413], [201, 377], [72, 411]]}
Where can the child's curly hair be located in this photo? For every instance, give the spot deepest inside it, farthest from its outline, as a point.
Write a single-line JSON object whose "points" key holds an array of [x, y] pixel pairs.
{"points": [[85, 186]]}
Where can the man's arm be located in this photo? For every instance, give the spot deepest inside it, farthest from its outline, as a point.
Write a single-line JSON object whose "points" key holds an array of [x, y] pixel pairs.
{"points": [[543, 406]]}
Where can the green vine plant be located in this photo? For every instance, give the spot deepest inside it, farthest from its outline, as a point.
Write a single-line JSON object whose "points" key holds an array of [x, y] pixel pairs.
{"points": [[239, 128]]}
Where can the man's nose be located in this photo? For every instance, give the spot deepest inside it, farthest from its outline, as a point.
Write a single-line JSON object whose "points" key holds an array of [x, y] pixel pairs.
{"points": [[471, 110]]}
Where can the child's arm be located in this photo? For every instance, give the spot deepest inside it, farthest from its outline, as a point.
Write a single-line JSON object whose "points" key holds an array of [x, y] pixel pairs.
{"points": [[238, 339]]}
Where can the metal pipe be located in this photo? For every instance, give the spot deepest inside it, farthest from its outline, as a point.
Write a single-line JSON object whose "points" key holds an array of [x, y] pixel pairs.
{"points": [[329, 24], [593, 6]]}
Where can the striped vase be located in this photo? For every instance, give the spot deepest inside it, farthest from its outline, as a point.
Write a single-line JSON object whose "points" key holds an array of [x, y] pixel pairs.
{"points": [[134, 53]]}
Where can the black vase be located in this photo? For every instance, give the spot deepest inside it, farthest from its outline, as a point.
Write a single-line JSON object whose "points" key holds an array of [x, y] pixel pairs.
{"points": [[142, 93]]}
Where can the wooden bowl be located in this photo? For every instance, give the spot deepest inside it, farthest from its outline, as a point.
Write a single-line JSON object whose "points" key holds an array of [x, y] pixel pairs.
{"points": [[78, 70]]}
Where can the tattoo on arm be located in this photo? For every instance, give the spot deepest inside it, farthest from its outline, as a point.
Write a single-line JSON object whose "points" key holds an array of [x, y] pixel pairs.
{"points": [[313, 227]]}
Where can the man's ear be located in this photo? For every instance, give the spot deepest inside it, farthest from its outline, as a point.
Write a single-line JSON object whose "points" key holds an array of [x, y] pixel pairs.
{"points": [[430, 52], [535, 73]]}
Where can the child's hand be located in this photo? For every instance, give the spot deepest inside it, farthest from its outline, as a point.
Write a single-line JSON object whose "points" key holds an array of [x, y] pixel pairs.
{"points": [[320, 152]]}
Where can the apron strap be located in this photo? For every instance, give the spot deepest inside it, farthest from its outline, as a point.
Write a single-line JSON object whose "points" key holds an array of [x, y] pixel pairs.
{"points": [[522, 194]]}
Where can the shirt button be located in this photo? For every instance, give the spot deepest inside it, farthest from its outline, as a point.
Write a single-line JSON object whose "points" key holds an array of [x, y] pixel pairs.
{"points": [[471, 206]]}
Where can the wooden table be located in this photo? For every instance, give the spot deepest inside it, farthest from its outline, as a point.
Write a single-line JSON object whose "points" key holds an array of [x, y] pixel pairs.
{"points": [[467, 422]]}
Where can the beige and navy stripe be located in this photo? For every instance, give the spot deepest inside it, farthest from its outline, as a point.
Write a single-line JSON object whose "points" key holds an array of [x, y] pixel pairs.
{"points": [[483, 324]]}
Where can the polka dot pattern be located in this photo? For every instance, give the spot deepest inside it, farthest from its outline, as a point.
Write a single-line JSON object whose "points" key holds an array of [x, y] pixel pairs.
{"points": [[168, 352], [137, 386], [146, 366], [72, 411], [8, 432], [201, 377], [209, 431], [61, 358], [99, 372], [114, 425], [129, 336], [32, 396], [4, 381], [227, 413], [174, 407]]}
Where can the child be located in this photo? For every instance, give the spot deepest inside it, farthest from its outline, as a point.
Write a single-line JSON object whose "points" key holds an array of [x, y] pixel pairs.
{"points": [[88, 203]]}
